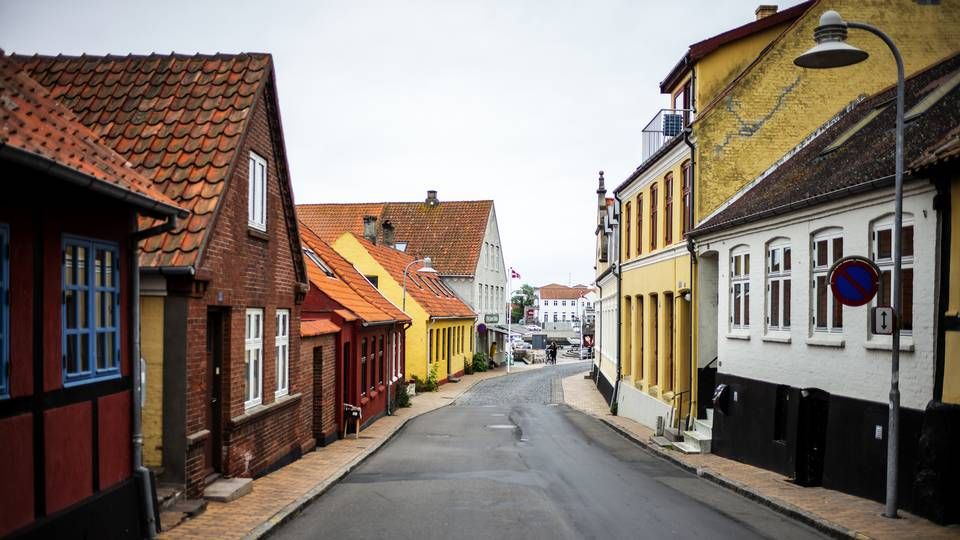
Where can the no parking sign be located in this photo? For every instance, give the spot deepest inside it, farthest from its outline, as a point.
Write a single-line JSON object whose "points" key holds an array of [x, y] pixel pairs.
{"points": [[854, 280]]}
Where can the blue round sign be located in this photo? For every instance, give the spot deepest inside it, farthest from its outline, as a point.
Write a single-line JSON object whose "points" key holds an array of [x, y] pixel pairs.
{"points": [[854, 280]]}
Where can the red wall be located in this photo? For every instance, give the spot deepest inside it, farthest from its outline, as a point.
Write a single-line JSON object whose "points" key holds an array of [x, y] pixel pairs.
{"points": [[69, 451], [16, 470], [116, 460]]}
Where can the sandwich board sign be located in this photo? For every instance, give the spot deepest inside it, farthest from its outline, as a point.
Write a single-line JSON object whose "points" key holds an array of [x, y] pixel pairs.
{"points": [[854, 280]]}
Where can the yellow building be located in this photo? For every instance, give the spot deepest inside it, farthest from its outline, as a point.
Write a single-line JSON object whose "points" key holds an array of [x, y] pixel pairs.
{"points": [[657, 370], [440, 339]]}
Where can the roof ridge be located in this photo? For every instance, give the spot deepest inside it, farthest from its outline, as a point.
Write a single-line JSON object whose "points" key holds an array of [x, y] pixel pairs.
{"points": [[136, 56]]}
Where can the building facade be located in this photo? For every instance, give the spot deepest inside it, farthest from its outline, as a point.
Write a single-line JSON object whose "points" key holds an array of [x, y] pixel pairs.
{"points": [[559, 303], [606, 356]]}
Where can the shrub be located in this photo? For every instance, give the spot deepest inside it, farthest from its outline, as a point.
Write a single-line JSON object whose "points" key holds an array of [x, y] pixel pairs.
{"points": [[468, 368], [403, 398], [432, 382], [479, 362]]}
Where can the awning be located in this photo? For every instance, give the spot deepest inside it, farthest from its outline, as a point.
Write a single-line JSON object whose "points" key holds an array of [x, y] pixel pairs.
{"points": [[499, 328]]}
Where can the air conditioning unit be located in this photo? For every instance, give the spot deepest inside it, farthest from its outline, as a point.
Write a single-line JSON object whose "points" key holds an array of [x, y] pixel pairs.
{"points": [[672, 125]]}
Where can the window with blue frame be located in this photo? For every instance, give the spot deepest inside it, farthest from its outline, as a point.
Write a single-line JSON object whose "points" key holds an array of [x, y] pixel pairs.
{"points": [[4, 311], [91, 311]]}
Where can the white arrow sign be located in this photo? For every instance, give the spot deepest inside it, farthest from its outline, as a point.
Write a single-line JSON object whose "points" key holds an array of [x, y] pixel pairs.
{"points": [[883, 320]]}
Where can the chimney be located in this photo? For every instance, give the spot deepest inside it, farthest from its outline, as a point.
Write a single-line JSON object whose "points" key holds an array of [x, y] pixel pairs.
{"points": [[432, 198], [765, 10], [601, 195], [389, 234], [370, 228]]}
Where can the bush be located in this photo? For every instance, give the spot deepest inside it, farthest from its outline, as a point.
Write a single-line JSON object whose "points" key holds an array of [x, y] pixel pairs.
{"points": [[432, 382], [468, 368], [479, 362], [403, 398]]}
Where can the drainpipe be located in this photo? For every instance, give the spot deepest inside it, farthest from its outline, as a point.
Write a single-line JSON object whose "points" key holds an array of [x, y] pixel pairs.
{"points": [[616, 386], [691, 246], [598, 335], [139, 469]]}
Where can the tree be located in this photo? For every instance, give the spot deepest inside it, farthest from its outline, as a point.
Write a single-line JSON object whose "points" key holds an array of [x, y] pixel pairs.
{"points": [[521, 299]]}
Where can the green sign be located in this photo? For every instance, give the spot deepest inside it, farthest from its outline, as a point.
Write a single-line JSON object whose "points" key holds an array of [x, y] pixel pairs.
{"points": [[491, 318]]}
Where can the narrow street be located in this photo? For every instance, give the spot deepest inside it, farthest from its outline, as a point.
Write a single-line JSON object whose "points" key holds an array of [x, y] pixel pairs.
{"points": [[509, 460]]}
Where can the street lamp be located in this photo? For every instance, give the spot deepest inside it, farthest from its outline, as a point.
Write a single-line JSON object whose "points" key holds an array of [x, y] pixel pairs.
{"points": [[832, 51], [426, 269]]}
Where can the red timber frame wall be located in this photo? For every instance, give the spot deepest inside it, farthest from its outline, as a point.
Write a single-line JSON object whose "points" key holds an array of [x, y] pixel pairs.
{"points": [[243, 268], [66, 451]]}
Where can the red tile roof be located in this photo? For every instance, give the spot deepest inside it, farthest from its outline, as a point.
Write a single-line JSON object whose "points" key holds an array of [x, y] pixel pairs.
{"points": [[450, 233], [177, 119], [562, 292], [317, 327], [34, 125], [426, 288], [347, 286]]}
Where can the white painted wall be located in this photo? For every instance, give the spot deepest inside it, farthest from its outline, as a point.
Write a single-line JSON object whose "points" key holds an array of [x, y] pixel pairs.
{"points": [[853, 363]]}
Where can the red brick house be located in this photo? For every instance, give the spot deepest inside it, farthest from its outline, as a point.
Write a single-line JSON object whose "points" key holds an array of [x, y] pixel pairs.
{"points": [[226, 391], [68, 289], [368, 357]]}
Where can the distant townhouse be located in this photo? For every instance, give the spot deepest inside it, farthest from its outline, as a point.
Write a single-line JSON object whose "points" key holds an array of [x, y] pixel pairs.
{"points": [[560, 303], [461, 237], [606, 368], [221, 290], [805, 379], [70, 219], [364, 362], [440, 340]]}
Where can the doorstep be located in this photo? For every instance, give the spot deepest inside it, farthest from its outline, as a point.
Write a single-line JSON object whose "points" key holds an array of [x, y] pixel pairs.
{"points": [[228, 489]]}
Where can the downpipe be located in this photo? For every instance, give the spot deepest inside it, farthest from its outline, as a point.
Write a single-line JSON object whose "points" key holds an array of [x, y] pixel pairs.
{"points": [[692, 249], [616, 385]]}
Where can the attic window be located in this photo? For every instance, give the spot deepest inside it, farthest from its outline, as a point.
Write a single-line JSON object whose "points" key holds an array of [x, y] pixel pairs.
{"points": [[312, 255], [852, 130], [400, 246], [933, 97]]}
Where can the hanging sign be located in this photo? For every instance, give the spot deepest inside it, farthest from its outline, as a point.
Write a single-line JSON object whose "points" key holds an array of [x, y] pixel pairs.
{"points": [[491, 318], [854, 280]]}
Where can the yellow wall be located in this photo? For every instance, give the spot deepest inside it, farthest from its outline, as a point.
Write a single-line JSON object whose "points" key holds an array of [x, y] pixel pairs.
{"points": [[775, 104], [416, 335], [951, 353], [151, 348]]}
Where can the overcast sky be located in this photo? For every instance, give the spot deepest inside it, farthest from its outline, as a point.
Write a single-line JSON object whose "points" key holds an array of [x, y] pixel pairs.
{"points": [[519, 102]]}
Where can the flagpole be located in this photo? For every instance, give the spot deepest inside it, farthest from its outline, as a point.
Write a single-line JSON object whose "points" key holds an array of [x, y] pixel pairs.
{"points": [[509, 317]]}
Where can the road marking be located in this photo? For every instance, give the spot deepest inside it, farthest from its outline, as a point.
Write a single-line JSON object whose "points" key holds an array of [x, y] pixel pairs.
{"points": [[502, 426]]}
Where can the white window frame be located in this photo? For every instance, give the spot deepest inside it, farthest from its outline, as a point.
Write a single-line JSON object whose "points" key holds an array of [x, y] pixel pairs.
{"points": [[886, 263], [777, 251], [740, 282], [253, 366], [828, 235], [257, 192], [282, 346]]}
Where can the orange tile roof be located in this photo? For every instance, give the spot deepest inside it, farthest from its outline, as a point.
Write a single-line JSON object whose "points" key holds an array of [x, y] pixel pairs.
{"points": [[177, 119], [317, 327], [34, 124], [426, 288], [562, 292], [450, 233], [347, 286]]}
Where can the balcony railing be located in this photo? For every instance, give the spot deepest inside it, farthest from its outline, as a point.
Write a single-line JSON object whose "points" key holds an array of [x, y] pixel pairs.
{"points": [[665, 125]]}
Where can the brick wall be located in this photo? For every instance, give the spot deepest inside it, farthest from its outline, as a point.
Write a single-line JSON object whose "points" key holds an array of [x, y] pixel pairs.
{"points": [[324, 384]]}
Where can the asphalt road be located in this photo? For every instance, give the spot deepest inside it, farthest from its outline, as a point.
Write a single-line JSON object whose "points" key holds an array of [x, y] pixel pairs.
{"points": [[507, 460]]}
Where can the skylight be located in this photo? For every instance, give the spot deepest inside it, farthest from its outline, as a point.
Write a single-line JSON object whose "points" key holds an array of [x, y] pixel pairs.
{"points": [[400, 246], [852, 130], [933, 97], [312, 255]]}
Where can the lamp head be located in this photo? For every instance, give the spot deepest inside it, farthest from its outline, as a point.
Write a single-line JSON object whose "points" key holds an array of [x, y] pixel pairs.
{"points": [[832, 49], [427, 267]]}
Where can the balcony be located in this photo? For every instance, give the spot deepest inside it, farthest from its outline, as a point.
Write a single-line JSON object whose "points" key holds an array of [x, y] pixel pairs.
{"points": [[663, 128]]}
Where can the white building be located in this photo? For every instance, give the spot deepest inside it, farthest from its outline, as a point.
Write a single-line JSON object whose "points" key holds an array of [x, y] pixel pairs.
{"points": [[559, 303], [606, 347]]}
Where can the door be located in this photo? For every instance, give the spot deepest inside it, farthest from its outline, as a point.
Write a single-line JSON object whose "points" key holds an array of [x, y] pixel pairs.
{"points": [[448, 334], [812, 436], [214, 411], [346, 383]]}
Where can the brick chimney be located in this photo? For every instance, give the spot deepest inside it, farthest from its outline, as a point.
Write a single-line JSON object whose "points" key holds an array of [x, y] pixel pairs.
{"points": [[370, 228], [389, 234], [765, 10], [432, 199]]}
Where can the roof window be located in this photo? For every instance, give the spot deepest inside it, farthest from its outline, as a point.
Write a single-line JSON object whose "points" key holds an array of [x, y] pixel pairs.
{"points": [[312, 255], [933, 97]]}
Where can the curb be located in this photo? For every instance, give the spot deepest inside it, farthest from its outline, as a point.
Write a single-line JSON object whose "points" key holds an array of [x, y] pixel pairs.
{"points": [[292, 509], [827, 527]]}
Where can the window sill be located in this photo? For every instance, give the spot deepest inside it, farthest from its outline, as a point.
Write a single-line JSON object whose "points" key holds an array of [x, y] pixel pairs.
{"points": [[258, 411], [741, 335], [257, 233], [826, 341], [779, 337], [886, 344]]}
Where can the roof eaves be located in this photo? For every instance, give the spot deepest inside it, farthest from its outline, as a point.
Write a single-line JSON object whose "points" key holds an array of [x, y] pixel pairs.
{"points": [[650, 162]]}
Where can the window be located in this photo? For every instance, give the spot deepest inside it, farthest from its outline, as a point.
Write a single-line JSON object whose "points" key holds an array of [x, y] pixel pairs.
{"points": [[686, 181], [778, 285], [283, 352], [653, 216], [363, 367], [668, 209], [374, 280], [827, 313], [639, 224], [253, 359], [554, 302], [740, 288], [91, 311], [556, 317], [563, 302], [883, 255], [626, 229], [257, 198], [312, 255], [380, 363], [400, 246], [4, 310]]}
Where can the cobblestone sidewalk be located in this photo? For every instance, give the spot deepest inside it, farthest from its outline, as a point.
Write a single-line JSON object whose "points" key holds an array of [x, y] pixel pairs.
{"points": [[833, 512], [281, 494]]}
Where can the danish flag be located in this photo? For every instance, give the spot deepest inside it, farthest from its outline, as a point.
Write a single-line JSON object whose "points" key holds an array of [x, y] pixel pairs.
{"points": [[514, 274]]}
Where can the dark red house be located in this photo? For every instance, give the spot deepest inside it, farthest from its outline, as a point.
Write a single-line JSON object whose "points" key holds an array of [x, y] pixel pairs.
{"points": [[370, 345], [68, 289], [227, 393]]}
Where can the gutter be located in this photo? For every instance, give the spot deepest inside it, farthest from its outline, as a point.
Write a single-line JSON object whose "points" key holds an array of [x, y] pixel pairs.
{"points": [[142, 472], [616, 270]]}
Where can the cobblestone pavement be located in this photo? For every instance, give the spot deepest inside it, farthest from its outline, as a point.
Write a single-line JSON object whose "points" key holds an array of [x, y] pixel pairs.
{"points": [[539, 387], [835, 512]]}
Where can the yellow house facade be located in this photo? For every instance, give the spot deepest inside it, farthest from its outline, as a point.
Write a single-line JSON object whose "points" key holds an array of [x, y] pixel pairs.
{"points": [[440, 338]]}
